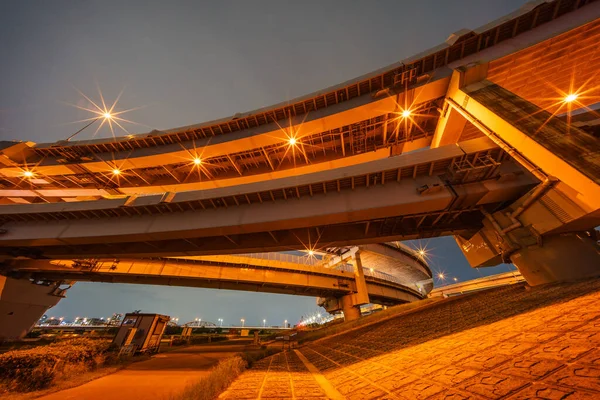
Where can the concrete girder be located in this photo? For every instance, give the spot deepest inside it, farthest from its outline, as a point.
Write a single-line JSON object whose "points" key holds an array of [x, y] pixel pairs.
{"points": [[330, 211], [412, 160], [304, 281]]}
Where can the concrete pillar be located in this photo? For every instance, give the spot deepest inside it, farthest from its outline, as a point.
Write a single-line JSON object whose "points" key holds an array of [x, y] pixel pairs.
{"points": [[351, 311], [362, 293], [565, 257], [22, 304]]}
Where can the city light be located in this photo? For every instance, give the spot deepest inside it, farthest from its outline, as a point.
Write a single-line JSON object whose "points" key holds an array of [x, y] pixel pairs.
{"points": [[242, 321], [197, 161], [107, 115], [570, 98], [441, 276], [406, 113], [311, 253], [292, 141], [455, 279], [264, 322], [28, 174], [372, 270], [116, 171]]}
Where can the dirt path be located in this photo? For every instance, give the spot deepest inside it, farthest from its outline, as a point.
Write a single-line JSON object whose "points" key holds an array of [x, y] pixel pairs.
{"points": [[164, 374]]}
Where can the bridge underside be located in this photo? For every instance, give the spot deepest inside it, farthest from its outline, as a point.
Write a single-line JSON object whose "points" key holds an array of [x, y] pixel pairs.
{"points": [[247, 273], [508, 165]]}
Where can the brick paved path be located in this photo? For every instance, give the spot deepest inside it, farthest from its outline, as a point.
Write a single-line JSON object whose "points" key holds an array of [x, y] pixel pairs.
{"points": [[508, 343]]}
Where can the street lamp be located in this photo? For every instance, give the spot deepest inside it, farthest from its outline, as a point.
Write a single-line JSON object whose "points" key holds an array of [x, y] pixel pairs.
{"points": [[285, 324], [242, 321], [220, 321], [264, 322]]}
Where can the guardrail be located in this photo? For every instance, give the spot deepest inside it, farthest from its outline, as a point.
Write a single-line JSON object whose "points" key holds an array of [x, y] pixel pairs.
{"points": [[284, 257], [373, 273]]}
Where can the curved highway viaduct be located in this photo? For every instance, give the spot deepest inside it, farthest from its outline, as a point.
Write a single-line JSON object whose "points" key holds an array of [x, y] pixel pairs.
{"points": [[402, 275], [491, 137]]}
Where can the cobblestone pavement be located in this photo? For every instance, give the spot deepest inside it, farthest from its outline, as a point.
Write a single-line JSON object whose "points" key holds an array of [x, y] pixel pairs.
{"points": [[282, 376], [510, 343]]}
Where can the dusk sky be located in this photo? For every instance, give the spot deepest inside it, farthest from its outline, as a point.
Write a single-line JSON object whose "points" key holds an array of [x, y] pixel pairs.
{"points": [[186, 62]]}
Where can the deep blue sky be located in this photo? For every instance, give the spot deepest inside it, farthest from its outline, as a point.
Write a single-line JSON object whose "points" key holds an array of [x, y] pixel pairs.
{"points": [[193, 61]]}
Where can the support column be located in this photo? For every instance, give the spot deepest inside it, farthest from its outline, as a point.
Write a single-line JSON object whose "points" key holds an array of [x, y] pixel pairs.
{"points": [[351, 311], [362, 293], [22, 304], [351, 303], [561, 258], [542, 259]]}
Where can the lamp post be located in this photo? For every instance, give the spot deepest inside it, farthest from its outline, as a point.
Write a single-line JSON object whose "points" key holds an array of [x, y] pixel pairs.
{"points": [[264, 323], [242, 321], [285, 324], [221, 322]]}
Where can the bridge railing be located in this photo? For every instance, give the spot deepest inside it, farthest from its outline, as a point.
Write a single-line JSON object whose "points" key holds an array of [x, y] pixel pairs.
{"points": [[284, 257], [375, 274]]}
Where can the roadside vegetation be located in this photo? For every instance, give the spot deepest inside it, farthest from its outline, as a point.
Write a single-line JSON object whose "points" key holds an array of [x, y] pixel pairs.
{"points": [[222, 375], [42, 367]]}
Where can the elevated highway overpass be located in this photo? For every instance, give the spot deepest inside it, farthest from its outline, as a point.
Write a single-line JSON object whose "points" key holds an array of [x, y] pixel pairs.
{"points": [[473, 138], [401, 197], [390, 274]]}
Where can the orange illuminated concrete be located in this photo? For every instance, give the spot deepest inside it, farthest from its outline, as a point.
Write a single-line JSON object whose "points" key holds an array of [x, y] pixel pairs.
{"points": [[508, 343], [473, 138]]}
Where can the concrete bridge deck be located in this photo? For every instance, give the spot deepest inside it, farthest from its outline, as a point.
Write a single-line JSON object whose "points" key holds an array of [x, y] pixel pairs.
{"points": [[407, 278]]}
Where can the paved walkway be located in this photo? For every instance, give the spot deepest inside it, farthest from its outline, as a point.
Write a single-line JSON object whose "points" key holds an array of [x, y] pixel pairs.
{"points": [[157, 378], [509, 343]]}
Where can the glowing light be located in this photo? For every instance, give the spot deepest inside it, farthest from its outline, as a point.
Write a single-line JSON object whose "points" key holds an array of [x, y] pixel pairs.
{"points": [[292, 141], [441, 276], [311, 253], [406, 113], [570, 98], [455, 279], [107, 114], [197, 161], [422, 252], [28, 174], [371, 269], [116, 171]]}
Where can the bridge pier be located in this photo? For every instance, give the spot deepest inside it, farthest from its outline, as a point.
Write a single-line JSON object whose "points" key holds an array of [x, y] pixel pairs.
{"points": [[540, 259], [351, 303], [349, 308], [22, 304], [560, 258], [549, 232]]}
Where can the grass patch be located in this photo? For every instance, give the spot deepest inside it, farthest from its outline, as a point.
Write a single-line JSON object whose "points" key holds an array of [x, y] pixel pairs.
{"points": [[367, 320]]}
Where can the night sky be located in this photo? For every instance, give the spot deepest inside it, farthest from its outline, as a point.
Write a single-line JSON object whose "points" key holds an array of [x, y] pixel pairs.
{"points": [[188, 62]]}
